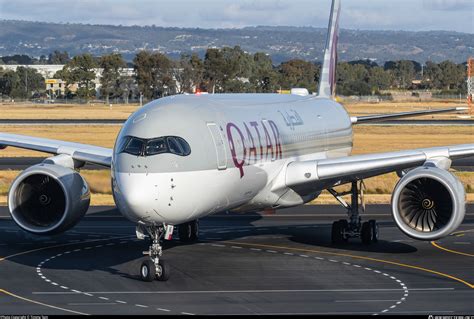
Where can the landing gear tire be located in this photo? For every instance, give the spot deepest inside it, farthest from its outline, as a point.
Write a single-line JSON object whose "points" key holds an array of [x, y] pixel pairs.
{"points": [[345, 228], [336, 232], [188, 232], [163, 271], [366, 233], [184, 231], [194, 230], [375, 230], [147, 271]]}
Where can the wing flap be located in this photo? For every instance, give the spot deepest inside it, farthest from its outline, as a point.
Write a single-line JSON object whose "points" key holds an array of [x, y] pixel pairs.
{"points": [[81, 152]]}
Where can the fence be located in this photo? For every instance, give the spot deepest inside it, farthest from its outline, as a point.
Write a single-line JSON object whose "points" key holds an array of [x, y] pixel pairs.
{"points": [[461, 98]]}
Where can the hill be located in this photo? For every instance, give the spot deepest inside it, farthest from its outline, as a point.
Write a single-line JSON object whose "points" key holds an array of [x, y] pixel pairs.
{"points": [[282, 43]]}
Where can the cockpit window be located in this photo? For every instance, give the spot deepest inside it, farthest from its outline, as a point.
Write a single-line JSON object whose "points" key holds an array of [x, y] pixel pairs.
{"points": [[175, 148], [184, 146], [149, 147], [134, 146], [156, 146]]}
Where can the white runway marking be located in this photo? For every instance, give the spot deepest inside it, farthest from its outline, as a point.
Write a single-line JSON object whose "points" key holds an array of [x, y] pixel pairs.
{"points": [[405, 289], [91, 303], [173, 292], [90, 294]]}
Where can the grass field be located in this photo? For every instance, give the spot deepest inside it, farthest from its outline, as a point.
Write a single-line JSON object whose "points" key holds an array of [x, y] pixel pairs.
{"points": [[397, 107], [95, 135], [371, 139], [123, 111], [66, 111]]}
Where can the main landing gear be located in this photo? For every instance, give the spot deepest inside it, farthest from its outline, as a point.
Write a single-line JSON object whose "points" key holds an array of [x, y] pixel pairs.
{"points": [[343, 229], [155, 267], [189, 232]]}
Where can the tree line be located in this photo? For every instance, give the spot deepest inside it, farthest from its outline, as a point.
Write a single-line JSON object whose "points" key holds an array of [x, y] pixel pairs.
{"points": [[226, 70]]}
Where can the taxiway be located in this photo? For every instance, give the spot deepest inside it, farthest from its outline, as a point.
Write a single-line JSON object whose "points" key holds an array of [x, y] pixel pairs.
{"points": [[281, 263]]}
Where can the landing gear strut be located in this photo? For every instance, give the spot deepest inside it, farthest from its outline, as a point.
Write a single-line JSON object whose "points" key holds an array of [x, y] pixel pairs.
{"points": [[155, 267], [343, 229]]}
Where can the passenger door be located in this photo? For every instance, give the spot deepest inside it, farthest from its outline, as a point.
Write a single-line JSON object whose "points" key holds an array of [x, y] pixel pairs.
{"points": [[219, 144]]}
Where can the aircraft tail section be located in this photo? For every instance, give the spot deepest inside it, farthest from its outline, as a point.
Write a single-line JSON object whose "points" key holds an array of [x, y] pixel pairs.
{"points": [[327, 82]]}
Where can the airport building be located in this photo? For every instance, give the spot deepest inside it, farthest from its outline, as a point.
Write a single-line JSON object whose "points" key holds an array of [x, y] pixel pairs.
{"points": [[46, 70], [56, 86]]}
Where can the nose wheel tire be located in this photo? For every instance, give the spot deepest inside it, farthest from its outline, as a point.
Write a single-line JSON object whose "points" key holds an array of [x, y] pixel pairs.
{"points": [[150, 272], [163, 271], [147, 271]]}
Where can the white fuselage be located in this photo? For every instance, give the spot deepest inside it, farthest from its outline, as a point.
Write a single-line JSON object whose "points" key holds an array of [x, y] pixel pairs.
{"points": [[240, 147]]}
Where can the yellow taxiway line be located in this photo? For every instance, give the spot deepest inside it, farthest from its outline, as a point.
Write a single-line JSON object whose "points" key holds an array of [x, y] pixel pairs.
{"points": [[470, 285], [450, 250], [457, 234], [39, 303]]}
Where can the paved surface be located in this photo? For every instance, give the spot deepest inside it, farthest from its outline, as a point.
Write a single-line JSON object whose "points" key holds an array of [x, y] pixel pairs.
{"points": [[457, 122], [243, 264]]}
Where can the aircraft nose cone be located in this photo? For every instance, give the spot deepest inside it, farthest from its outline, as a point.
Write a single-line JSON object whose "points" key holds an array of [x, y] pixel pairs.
{"points": [[133, 195]]}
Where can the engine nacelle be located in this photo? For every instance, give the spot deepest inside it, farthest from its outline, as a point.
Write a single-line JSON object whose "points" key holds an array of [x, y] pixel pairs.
{"points": [[428, 203], [48, 199]]}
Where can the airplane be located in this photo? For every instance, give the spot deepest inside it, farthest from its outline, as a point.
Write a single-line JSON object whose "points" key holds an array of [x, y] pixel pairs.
{"points": [[181, 158]]}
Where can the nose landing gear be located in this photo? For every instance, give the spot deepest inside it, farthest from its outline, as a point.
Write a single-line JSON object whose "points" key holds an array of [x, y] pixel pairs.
{"points": [[155, 267], [343, 229]]}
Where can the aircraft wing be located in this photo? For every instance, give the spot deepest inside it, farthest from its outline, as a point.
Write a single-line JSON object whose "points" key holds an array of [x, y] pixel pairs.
{"points": [[80, 152], [353, 168], [387, 117]]}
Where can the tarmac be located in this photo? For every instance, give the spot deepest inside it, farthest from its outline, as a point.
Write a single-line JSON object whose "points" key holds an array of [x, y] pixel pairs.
{"points": [[258, 263]]}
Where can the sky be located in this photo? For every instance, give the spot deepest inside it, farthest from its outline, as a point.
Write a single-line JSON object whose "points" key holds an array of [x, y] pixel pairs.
{"points": [[409, 15]]}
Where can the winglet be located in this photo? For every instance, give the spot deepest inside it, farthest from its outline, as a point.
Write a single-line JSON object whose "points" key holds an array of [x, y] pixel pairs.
{"points": [[327, 82]]}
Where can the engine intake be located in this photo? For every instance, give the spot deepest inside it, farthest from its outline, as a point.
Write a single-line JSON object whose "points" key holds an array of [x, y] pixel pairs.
{"points": [[428, 203], [48, 199]]}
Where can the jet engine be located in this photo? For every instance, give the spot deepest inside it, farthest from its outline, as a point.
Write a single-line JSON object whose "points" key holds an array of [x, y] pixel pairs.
{"points": [[428, 203], [48, 199]]}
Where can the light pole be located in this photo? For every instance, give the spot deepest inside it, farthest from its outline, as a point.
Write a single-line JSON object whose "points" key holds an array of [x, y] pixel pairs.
{"points": [[26, 80]]}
